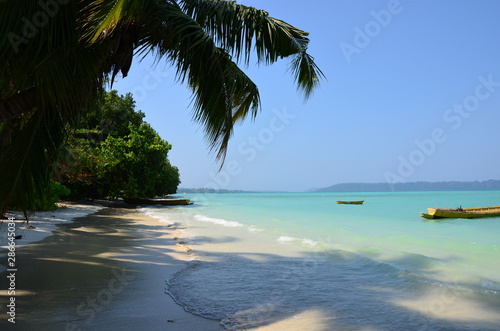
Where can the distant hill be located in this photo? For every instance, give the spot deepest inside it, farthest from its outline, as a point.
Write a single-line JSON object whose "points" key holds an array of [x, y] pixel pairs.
{"points": [[488, 185]]}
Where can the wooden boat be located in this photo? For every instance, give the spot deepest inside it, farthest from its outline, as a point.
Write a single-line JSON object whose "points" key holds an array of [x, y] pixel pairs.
{"points": [[351, 202], [433, 213], [159, 201]]}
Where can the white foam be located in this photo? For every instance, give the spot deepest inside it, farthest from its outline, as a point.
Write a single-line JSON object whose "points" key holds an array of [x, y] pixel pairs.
{"points": [[218, 221], [162, 218], [309, 242], [253, 228], [285, 239], [305, 241]]}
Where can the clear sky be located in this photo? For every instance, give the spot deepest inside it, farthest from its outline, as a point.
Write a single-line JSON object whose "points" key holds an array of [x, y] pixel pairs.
{"points": [[412, 94]]}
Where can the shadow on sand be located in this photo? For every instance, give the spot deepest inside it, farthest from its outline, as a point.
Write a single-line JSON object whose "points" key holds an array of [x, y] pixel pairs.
{"points": [[94, 265]]}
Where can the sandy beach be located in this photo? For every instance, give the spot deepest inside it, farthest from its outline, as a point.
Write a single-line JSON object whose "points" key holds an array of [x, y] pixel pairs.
{"points": [[106, 269], [103, 271]]}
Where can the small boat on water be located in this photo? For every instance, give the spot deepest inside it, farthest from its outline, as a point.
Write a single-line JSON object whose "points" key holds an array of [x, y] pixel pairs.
{"points": [[360, 202], [159, 201], [433, 213]]}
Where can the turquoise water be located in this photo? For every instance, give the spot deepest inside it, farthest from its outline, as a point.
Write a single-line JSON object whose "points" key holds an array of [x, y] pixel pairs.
{"points": [[263, 257]]}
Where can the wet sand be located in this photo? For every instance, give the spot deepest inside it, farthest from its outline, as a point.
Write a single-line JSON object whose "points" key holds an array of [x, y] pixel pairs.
{"points": [[105, 271]]}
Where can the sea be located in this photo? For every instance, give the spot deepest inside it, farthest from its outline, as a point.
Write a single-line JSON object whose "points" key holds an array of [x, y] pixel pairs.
{"points": [[262, 260]]}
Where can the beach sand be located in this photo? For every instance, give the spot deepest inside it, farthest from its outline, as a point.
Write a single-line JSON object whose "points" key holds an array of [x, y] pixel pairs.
{"points": [[40, 224], [104, 271]]}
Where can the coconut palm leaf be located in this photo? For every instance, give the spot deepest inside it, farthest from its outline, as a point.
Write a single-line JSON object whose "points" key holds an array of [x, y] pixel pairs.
{"points": [[51, 75], [47, 80], [222, 93], [239, 29], [197, 37]]}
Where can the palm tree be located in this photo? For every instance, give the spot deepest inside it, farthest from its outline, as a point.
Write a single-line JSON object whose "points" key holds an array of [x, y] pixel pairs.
{"points": [[58, 55]]}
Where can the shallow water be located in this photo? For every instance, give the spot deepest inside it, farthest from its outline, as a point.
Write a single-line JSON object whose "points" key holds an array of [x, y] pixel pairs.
{"points": [[265, 257]]}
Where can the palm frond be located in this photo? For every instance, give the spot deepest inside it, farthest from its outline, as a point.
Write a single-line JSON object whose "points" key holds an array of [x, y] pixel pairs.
{"points": [[222, 93], [306, 73], [25, 172], [49, 77], [100, 18], [47, 82], [239, 29]]}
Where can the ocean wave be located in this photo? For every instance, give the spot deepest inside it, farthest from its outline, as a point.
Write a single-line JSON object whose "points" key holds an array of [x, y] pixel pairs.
{"points": [[309, 242], [304, 241], [454, 287], [252, 228], [162, 217], [491, 287], [282, 287], [219, 221], [286, 239]]}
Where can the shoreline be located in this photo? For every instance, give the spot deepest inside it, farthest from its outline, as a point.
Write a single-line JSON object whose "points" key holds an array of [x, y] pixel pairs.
{"points": [[109, 270], [114, 262]]}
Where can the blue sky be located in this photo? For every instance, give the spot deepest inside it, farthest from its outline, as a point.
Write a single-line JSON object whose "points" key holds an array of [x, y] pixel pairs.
{"points": [[412, 93]]}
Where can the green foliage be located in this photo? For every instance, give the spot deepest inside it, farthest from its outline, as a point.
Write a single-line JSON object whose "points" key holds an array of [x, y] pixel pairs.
{"points": [[112, 115], [53, 73], [57, 192], [119, 155], [135, 165], [48, 200]]}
